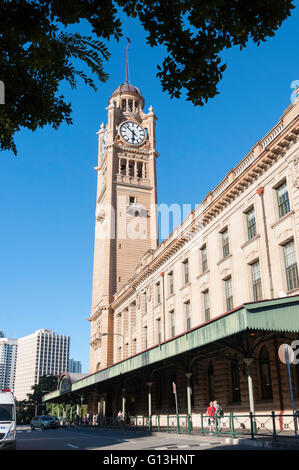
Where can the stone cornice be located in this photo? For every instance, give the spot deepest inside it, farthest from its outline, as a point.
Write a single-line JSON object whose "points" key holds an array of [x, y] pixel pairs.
{"points": [[133, 150], [94, 316]]}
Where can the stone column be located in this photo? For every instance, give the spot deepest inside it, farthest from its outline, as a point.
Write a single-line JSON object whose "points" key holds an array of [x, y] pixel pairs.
{"points": [[149, 384], [189, 392], [248, 361], [104, 407], [123, 403]]}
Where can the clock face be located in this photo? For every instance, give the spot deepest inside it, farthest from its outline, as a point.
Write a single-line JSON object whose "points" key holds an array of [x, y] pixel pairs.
{"points": [[104, 142], [132, 132]]}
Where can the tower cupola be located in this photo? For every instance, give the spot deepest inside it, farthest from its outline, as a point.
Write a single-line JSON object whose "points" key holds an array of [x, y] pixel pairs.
{"points": [[127, 98]]}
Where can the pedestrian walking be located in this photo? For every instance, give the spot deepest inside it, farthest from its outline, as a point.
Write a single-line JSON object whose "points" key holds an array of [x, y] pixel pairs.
{"points": [[211, 417], [120, 417], [218, 414]]}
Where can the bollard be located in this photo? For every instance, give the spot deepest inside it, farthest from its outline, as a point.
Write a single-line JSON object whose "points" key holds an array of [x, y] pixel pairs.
{"points": [[232, 425], [202, 424], [252, 425], [274, 425]]}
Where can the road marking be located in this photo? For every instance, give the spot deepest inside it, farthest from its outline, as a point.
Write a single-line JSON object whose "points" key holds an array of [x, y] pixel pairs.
{"points": [[100, 436], [71, 445]]}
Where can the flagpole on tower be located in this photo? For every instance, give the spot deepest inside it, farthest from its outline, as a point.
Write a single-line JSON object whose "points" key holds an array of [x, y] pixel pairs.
{"points": [[127, 58]]}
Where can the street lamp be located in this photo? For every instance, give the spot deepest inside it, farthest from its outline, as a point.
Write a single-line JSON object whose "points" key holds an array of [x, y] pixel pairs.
{"points": [[118, 334]]}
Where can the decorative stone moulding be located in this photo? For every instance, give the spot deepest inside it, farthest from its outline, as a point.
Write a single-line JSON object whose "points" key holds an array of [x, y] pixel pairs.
{"points": [[137, 210], [225, 272], [204, 285], [271, 136], [296, 171], [101, 214]]}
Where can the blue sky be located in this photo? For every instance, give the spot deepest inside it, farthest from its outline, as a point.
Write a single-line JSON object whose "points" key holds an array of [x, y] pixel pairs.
{"points": [[48, 192]]}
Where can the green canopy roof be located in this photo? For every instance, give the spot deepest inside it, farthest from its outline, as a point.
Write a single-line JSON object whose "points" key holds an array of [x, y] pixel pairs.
{"points": [[271, 315]]}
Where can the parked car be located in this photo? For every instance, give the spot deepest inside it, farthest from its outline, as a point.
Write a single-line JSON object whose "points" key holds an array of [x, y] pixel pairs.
{"points": [[44, 422], [56, 419]]}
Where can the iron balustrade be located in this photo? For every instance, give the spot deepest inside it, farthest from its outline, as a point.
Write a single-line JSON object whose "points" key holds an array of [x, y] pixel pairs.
{"points": [[272, 425]]}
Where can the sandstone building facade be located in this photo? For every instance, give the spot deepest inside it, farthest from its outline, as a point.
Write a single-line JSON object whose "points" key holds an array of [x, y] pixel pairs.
{"points": [[208, 308]]}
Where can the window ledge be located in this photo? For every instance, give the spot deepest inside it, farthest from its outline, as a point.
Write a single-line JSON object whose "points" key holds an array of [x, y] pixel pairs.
{"points": [[250, 241], [224, 259], [185, 285], [277, 222], [171, 295], [203, 274]]}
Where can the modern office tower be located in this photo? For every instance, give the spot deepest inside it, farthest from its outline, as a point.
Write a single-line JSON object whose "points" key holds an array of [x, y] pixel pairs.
{"points": [[74, 366], [8, 360], [41, 353]]}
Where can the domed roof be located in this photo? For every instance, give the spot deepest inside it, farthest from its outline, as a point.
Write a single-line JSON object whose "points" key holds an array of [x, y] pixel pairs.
{"points": [[126, 87]]}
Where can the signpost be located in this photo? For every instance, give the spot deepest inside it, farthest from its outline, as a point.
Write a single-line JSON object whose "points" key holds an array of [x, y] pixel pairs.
{"points": [[286, 355]]}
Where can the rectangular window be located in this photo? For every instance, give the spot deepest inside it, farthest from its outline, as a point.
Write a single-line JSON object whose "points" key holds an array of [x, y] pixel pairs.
{"points": [[204, 259], [251, 223], [225, 243], [186, 271], [187, 315], [172, 323], [283, 202], [158, 292], [132, 199], [229, 293], [256, 281], [206, 304], [159, 337], [170, 283], [291, 265]]}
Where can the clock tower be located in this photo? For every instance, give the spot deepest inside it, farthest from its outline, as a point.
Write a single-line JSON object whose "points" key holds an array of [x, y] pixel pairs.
{"points": [[126, 213]]}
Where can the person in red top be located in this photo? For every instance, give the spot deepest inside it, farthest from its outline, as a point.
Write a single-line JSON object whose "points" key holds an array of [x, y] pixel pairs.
{"points": [[211, 410]]}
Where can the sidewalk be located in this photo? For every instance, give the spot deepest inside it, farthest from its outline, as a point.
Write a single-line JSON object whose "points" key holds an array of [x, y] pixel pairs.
{"points": [[262, 442]]}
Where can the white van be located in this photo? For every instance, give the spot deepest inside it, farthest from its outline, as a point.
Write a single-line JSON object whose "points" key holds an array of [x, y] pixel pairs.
{"points": [[7, 420]]}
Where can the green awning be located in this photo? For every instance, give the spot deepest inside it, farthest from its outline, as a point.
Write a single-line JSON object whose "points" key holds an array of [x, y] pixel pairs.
{"points": [[272, 315]]}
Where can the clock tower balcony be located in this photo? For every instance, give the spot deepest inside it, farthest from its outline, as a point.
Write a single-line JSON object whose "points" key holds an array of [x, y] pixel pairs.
{"points": [[133, 180]]}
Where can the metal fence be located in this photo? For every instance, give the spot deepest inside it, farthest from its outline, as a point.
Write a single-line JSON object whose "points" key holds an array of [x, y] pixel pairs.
{"points": [[271, 425]]}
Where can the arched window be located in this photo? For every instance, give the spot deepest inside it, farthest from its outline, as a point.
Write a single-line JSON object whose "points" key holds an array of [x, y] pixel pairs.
{"points": [[235, 374], [98, 366], [266, 383], [211, 382]]}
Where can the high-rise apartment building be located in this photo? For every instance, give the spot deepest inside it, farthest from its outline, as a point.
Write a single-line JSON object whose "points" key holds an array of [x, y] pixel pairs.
{"points": [[74, 366], [41, 353], [8, 360]]}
